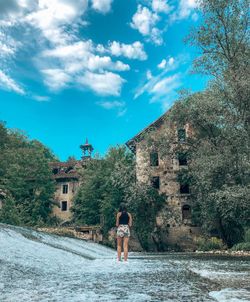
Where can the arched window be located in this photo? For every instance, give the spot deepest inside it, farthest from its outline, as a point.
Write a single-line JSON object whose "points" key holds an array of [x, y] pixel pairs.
{"points": [[186, 212]]}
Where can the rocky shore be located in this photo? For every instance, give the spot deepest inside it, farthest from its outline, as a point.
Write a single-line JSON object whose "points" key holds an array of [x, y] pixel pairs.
{"points": [[225, 253]]}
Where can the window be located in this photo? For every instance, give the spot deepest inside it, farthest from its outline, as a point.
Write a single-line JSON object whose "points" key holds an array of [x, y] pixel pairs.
{"points": [[181, 135], [184, 189], [65, 189], [186, 212], [64, 206], [55, 171], [154, 159], [155, 182], [182, 157]]}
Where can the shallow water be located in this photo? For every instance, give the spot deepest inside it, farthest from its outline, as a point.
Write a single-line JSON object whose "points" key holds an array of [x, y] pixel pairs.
{"points": [[39, 267]]}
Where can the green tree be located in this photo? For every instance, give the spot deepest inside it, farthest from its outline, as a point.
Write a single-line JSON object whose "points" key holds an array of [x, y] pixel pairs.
{"points": [[219, 148], [26, 178], [106, 183]]}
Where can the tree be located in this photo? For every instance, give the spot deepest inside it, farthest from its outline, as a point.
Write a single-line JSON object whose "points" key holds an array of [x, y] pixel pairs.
{"points": [[106, 183], [26, 178], [219, 148]]}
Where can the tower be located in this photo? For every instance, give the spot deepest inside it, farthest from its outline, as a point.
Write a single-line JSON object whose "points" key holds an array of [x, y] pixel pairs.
{"points": [[86, 150]]}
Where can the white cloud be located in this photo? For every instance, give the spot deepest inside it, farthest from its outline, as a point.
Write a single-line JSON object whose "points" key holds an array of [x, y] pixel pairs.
{"points": [[144, 20], [40, 98], [52, 16], [56, 79], [111, 104], [131, 51], [6, 50], [60, 56], [163, 86], [119, 106], [149, 75], [7, 83], [160, 6], [74, 50], [106, 83], [185, 10], [186, 7], [71, 61], [103, 6], [79, 56], [171, 61], [164, 63]]}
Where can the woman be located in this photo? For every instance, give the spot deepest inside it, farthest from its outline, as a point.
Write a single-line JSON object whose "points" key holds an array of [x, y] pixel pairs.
{"points": [[123, 224]]}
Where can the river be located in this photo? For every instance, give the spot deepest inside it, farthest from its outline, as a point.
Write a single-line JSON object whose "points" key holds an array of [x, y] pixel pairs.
{"points": [[35, 266]]}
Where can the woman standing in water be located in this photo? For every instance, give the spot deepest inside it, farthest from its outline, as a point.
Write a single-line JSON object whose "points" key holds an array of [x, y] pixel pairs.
{"points": [[123, 224]]}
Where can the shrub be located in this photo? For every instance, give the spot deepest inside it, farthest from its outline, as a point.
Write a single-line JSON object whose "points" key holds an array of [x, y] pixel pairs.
{"points": [[243, 246], [208, 244], [247, 236]]}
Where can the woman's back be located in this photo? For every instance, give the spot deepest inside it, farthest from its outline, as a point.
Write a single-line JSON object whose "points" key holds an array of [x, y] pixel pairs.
{"points": [[124, 218]]}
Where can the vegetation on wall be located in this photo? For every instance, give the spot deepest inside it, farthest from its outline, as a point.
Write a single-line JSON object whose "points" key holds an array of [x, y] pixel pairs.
{"points": [[25, 179], [218, 117]]}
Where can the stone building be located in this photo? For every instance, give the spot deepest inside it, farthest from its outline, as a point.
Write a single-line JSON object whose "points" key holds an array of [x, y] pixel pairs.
{"points": [[174, 221], [67, 182]]}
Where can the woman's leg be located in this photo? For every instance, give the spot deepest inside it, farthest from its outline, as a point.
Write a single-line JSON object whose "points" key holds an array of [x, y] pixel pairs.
{"points": [[119, 248], [125, 248]]}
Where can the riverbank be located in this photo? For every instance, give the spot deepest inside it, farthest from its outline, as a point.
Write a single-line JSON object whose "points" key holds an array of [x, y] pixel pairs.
{"points": [[225, 253]]}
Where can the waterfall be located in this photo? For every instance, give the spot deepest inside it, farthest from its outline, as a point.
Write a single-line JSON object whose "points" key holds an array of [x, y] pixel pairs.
{"points": [[35, 266]]}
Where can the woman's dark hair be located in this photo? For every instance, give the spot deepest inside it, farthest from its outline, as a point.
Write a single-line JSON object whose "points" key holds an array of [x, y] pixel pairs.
{"points": [[122, 208]]}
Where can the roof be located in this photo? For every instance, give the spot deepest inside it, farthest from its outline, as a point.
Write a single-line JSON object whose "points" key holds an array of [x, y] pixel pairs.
{"points": [[67, 164], [63, 170], [138, 137]]}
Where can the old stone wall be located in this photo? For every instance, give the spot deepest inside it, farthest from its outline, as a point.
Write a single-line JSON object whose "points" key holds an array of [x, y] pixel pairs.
{"points": [[73, 185], [174, 226]]}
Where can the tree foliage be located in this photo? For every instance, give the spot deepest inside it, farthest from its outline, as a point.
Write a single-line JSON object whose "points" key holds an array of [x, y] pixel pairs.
{"points": [[219, 147], [26, 179], [108, 181]]}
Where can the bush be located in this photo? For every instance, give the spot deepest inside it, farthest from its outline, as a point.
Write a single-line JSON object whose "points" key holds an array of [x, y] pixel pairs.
{"points": [[208, 244], [247, 236], [243, 246]]}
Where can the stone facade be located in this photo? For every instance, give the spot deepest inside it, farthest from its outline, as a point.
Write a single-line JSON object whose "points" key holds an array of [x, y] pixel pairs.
{"points": [[68, 181], [174, 221]]}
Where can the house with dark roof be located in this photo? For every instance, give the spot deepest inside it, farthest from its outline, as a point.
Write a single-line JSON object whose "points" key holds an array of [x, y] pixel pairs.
{"points": [[67, 182]]}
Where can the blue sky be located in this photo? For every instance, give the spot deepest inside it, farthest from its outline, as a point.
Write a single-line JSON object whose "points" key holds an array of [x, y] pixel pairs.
{"points": [[102, 69]]}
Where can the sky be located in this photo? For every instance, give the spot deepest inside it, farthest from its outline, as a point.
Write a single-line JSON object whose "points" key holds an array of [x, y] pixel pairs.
{"points": [[97, 69]]}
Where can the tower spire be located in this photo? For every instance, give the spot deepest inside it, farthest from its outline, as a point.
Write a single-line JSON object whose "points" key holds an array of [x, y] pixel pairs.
{"points": [[87, 150]]}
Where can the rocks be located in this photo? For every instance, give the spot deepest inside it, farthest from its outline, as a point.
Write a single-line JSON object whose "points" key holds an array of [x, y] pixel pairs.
{"points": [[225, 253], [72, 232]]}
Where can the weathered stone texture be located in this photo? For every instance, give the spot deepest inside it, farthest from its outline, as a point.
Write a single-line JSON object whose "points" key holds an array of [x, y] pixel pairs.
{"points": [[174, 224]]}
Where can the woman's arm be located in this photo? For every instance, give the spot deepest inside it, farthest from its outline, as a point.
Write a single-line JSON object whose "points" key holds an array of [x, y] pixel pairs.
{"points": [[117, 219], [130, 220]]}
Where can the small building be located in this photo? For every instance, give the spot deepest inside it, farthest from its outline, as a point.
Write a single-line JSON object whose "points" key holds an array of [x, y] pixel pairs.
{"points": [[174, 221], [68, 181]]}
